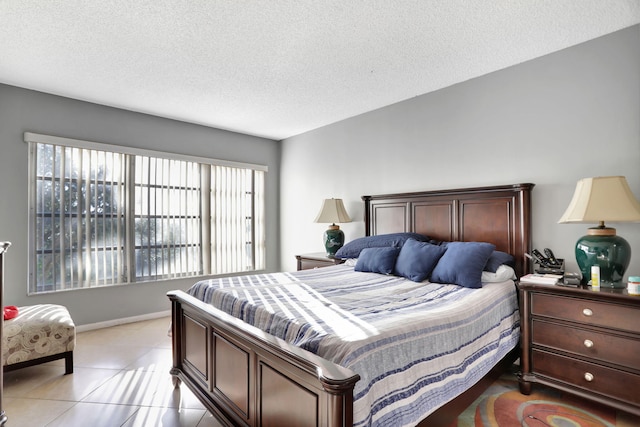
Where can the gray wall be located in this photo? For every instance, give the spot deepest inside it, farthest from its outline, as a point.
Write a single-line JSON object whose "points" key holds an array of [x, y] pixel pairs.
{"points": [[550, 121], [24, 110]]}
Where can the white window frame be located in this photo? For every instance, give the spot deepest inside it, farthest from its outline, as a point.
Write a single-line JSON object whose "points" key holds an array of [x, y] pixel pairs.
{"points": [[245, 209]]}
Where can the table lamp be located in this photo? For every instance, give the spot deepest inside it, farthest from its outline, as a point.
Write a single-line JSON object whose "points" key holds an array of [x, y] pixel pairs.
{"points": [[596, 200], [333, 211]]}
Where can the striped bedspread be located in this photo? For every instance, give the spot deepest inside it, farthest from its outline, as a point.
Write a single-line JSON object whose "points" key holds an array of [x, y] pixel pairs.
{"points": [[415, 345]]}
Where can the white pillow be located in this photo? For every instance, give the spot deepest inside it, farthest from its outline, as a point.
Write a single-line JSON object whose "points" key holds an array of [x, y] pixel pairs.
{"points": [[351, 262], [503, 273]]}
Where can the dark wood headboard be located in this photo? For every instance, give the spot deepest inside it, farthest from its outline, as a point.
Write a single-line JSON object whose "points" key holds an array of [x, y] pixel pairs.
{"points": [[500, 215]]}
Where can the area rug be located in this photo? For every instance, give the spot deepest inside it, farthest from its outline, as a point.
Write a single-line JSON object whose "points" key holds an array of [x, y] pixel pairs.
{"points": [[502, 405]]}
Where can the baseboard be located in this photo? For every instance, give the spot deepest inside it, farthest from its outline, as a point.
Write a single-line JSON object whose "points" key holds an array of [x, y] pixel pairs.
{"points": [[123, 321]]}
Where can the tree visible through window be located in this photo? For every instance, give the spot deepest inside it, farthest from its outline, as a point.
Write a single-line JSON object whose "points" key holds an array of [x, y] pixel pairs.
{"points": [[101, 217]]}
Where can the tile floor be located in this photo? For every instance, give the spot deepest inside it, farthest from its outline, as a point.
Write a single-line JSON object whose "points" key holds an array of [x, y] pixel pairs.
{"points": [[121, 379]]}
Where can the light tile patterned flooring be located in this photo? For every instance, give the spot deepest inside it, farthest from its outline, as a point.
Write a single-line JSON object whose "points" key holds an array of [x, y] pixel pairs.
{"points": [[121, 379]]}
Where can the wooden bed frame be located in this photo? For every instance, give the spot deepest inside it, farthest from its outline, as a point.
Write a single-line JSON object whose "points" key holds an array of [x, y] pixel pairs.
{"points": [[246, 377]]}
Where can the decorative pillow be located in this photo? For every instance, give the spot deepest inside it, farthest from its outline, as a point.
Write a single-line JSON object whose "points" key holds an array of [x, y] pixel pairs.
{"points": [[497, 259], [417, 259], [377, 260], [352, 249], [503, 273], [462, 264]]}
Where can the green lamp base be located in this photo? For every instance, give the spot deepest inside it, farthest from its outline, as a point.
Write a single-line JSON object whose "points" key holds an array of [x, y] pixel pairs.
{"points": [[333, 240], [610, 252]]}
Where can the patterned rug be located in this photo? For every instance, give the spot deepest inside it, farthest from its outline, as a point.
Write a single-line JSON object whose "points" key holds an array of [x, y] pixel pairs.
{"points": [[502, 405]]}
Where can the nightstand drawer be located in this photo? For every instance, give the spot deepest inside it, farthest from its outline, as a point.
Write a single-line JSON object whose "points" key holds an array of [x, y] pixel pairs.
{"points": [[620, 385], [308, 264], [609, 348], [315, 260], [586, 311]]}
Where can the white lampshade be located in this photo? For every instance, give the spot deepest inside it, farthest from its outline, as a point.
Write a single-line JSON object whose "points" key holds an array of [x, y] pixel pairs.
{"points": [[603, 198], [332, 211]]}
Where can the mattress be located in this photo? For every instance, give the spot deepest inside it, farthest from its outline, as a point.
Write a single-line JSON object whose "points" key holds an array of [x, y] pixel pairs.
{"points": [[415, 346]]}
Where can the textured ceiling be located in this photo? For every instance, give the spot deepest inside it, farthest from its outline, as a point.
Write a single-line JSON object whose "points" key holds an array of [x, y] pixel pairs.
{"points": [[277, 68]]}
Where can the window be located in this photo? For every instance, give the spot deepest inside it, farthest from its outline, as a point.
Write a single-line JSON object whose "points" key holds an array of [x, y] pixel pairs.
{"points": [[103, 215]]}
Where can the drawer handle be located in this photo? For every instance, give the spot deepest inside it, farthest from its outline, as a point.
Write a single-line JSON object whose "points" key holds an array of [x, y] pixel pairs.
{"points": [[588, 376], [588, 343], [587, 312]]}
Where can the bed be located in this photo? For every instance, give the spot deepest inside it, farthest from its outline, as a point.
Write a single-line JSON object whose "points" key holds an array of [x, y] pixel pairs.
{"points": [[249, 377]]}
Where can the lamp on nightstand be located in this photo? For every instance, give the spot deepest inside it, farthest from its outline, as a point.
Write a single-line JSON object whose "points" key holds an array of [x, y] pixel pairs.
{"points": [[596, 200], [333, 211]]}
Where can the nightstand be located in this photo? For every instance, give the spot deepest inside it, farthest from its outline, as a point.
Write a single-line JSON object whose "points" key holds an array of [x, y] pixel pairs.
{"points": [[581, 341], [315, 260]]}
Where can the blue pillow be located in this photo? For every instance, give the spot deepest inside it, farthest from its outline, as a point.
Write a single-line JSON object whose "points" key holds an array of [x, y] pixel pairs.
{"points": [[498, 258], [352, 249], [463, 263], [417, 259], [377, 260]]}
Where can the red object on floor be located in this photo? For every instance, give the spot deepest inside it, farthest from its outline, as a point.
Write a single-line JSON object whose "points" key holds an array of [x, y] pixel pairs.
{"points": [[10, 312]]}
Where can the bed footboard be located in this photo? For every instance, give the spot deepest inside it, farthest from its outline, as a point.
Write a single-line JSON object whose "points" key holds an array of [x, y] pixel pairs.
{"points": [[246, 377]]}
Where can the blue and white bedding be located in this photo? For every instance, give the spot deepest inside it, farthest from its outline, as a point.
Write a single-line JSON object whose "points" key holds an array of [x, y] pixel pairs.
{"points": [[415, 345]]}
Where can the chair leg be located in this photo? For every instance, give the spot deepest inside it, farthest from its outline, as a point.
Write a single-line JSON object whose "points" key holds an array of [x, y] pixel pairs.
{"points": [[68, 363]]}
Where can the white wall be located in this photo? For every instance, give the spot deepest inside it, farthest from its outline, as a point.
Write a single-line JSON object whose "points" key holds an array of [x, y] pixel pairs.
{"points": [[23, 110], [549, 121]]}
